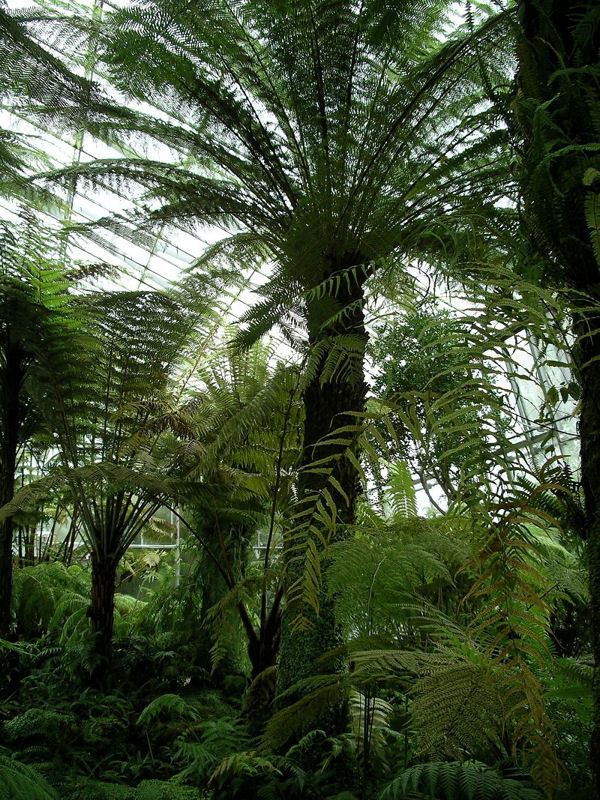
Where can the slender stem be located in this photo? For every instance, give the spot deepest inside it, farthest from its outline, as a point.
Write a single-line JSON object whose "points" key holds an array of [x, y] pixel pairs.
{"points": [[286, 419]]}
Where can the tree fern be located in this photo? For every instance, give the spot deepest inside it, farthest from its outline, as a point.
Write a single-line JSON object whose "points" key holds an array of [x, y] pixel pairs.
{"points": [[487, 667], [245, 420], [34, 286], [579, 676], [106, 392], [372, 138], [384, 568], [478, 689], [38, 590], [441, 441], [515, 620], [35, 80]]}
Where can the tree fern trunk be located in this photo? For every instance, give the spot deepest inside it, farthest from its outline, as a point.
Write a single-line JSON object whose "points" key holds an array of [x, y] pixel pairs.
{"points": [[264, 649], [262, 652], [589, 429], [557, 58], [102, 610], [6, 539], [11, 380], [6, 529], [326, 406]]}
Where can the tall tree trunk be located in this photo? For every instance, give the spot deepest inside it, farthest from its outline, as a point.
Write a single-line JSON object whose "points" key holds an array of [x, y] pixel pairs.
{"points": [[588, 331], [102, 610], [7, 478], [326, 405], [6, 531], [264, 649], [557, 59], [11, 382]]}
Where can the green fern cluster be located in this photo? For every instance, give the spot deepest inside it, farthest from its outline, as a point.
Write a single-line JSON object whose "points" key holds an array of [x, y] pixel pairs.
{"points": [[514, 620], [145, 790], [441, 417], [41, 592], [447, 780]]}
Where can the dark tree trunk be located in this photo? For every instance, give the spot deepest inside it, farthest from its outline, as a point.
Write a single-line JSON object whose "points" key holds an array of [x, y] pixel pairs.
{"points": [[264, 648], [328, 406], [589, 430], [102, 609], [11, 382], [554, 44], [6, 531], [6, 535]]}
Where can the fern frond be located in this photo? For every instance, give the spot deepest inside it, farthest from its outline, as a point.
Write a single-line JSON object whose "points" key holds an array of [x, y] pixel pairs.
{"points": [[21, 782], [469, 780], [166, 705]]}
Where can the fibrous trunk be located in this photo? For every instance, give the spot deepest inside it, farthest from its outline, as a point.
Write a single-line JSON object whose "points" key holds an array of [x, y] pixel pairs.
{"points": [[588, 331], [6, 531], [11, 421], [264, 648], [330, 402], [102, 610], [558, 60]]}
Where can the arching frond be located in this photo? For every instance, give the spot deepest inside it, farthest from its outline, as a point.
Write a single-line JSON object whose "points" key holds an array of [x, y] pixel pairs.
{"points": [[21, 782], [457, 781]]}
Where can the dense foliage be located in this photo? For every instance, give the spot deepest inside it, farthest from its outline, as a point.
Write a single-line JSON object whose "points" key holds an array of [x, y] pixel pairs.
{"points": [[356, 559]]}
